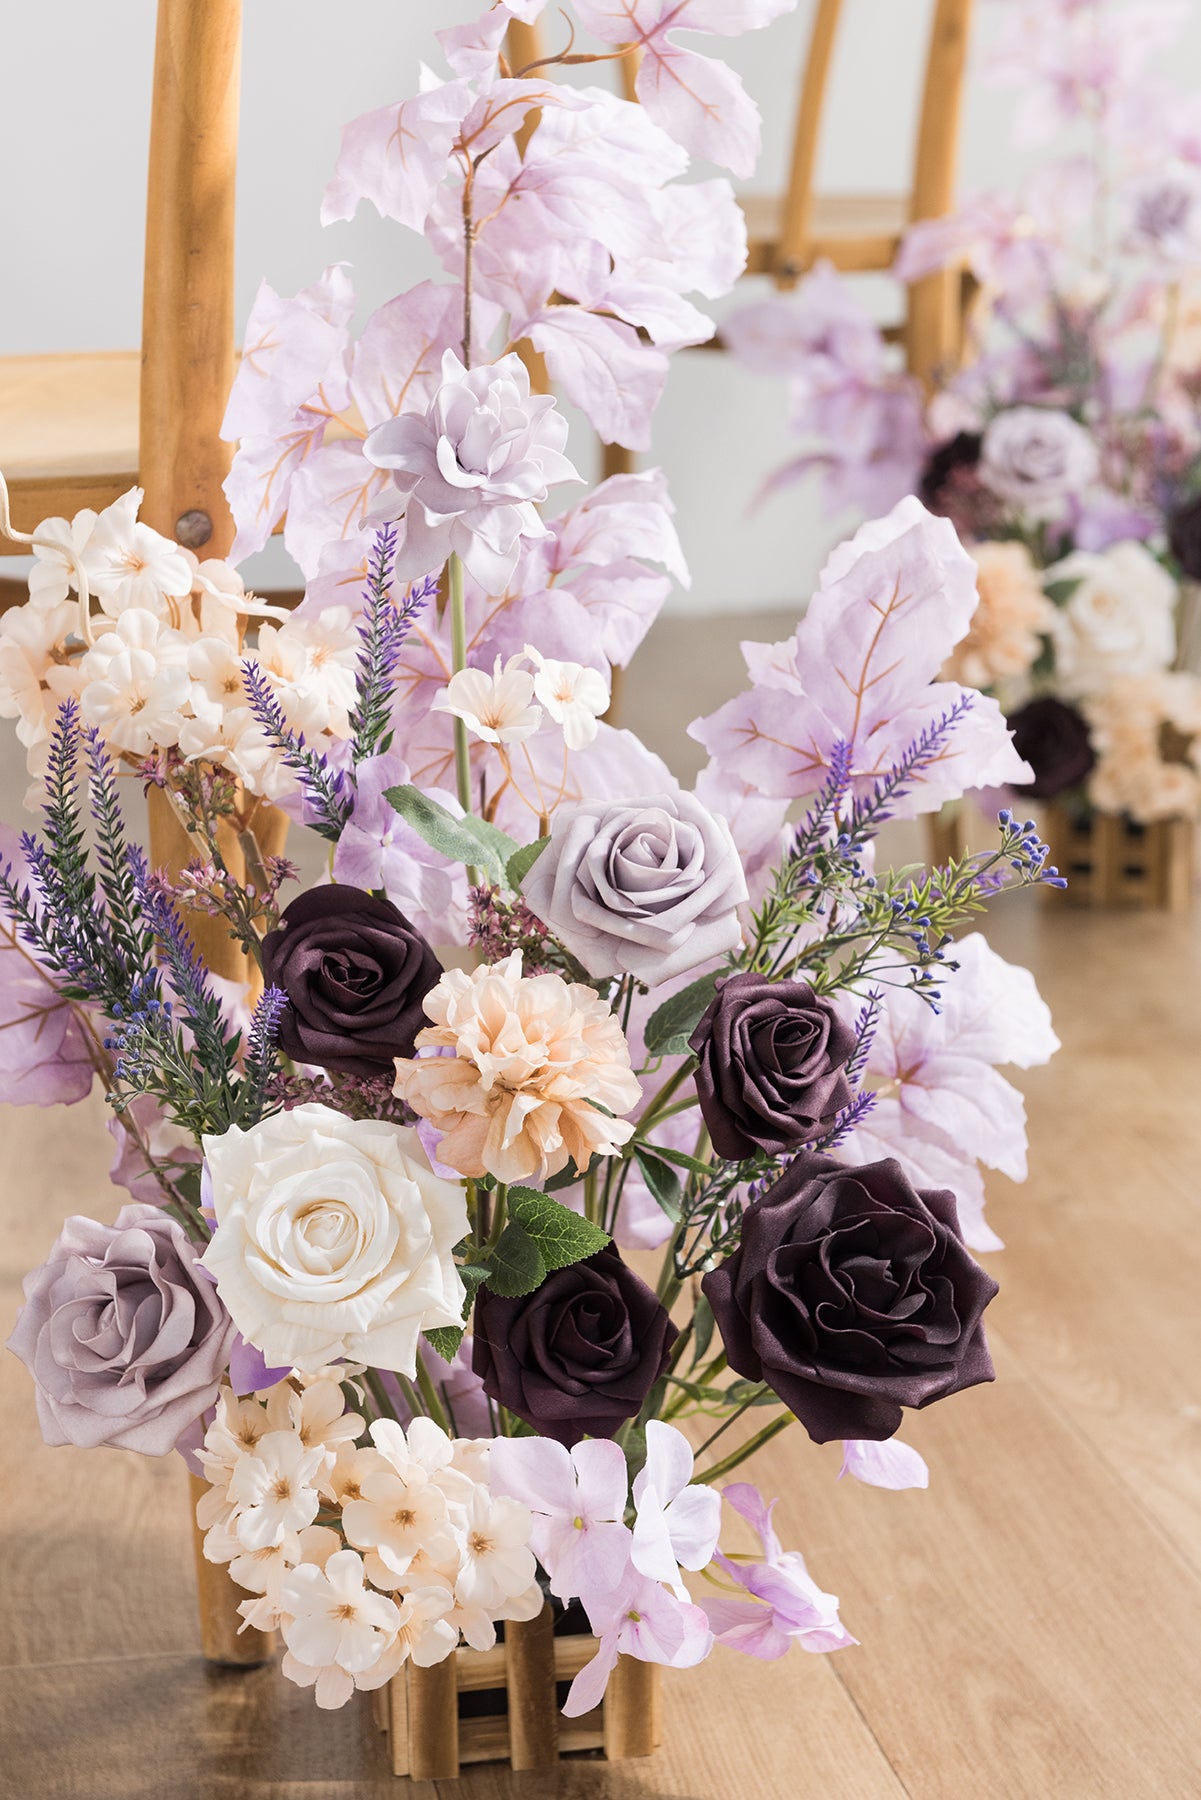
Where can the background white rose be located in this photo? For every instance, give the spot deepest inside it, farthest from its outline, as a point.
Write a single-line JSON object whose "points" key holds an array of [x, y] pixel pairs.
{"points": [[1119, 621], [334, 1239]]}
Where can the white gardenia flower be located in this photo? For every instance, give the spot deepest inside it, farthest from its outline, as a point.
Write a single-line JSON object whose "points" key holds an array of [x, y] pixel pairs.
{"points": [[130, 565], [334, 1626], [1119, 620], [334, 1239], [275, 1489], [134, 682], [499, 707], [498, 1563], [574, 696]]}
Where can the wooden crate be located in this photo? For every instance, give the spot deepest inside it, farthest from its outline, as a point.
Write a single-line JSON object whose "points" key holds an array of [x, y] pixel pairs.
{"points": [[1108, 860], [434, 1728]]}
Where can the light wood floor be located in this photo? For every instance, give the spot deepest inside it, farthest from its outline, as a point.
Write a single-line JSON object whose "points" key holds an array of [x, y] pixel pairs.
{"points": [[1030, 1627]]}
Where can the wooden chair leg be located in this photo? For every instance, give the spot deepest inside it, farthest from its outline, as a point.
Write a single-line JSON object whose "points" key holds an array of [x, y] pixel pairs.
{"points": [[617, 460]]}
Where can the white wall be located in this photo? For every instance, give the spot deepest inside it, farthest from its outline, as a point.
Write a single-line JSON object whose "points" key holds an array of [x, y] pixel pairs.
{"points": [[74, 106]]}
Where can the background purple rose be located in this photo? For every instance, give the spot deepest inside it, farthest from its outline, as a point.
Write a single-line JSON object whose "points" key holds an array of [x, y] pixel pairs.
{"points": [[771, 1073], [356, 973], [851, 1295], [124, 1336], [579, 1355], [649, 887]]}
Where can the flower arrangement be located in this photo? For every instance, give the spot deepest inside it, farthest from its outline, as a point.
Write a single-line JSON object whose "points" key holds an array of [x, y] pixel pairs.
{"points": [[1067, 448], [379, 1277]]}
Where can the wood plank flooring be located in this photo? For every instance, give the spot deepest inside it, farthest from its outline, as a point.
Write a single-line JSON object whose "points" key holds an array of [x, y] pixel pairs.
{"points": [[1030, 1627]]}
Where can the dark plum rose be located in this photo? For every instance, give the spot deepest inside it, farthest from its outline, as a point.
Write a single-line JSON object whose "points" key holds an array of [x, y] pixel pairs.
{"points": [[947, 466], [356, 973], [1184, 537], [771, 1073], [1053, 738], [123, 1333], [579, 1355], [851, 1295]]}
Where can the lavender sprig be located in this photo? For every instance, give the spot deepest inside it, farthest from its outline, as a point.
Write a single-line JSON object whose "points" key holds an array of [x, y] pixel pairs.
{"points": [[865, 1032], [867, 815], [325, 788], [851, 1115], [382, 635], [262, 1055]]}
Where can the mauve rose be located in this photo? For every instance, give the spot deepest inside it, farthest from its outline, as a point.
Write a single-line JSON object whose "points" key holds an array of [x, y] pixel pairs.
{"points": [[1054, 739], [579, 1355], [851, 1295], [642, 887], [123, 1334], [771, 1072], [1036, 457], [1184, 537], [356, 973]]}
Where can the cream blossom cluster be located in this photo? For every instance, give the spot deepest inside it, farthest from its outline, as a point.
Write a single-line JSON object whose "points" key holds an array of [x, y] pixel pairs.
{"points": [[1008, 625], [1146, 731], [509, 705], [426, 1554], [159, 661], [539, 1074]]}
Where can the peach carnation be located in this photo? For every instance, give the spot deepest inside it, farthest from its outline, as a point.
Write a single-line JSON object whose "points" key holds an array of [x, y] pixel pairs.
{"points": [[540, 1065], [1146, 730], [1004, 637]]}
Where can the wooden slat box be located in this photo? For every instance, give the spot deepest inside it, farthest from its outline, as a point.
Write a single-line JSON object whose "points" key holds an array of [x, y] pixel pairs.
{"points": [[433, 1728], [1109, 860]]}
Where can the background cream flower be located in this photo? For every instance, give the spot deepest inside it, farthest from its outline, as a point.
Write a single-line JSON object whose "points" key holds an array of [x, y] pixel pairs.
{"points": [[334, 1239], [1146, 731], [532, 1054], [1118, 621], [1004, 637]]}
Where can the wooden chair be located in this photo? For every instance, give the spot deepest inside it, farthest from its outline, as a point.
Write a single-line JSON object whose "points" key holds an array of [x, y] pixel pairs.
{"points": [[788, 233], [80, 430]]}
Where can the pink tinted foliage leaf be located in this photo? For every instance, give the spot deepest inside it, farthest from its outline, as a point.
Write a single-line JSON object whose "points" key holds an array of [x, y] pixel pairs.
{"points": [[603, 369], [397, 156], [293, 349]]}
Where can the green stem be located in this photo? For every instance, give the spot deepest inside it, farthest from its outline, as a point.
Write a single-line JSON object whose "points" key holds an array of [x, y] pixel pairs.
{"points": [[458, 660], [429, 1393], [748, 1449], [498, 1219], [375, 1388]]}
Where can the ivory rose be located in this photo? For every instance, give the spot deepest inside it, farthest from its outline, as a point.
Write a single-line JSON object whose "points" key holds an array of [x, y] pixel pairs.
{"points": [[539, 1072], [1118, 620], [334, 1239]]}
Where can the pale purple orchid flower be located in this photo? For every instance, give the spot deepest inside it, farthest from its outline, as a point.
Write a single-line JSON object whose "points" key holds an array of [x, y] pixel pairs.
{"points": [[641, 1618], [677, 1524], [788, 1606], [578, 1501], [890, 1464]]}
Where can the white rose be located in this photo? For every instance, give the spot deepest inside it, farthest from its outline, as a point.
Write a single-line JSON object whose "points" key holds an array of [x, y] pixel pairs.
{"points": [[1119, 620], [333, 1239]]}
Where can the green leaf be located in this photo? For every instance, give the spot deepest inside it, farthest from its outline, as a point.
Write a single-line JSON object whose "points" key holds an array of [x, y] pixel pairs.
{"points": [[662, 1181], [560, 1235], [466, 840], [1060, 592], [672, 1024], [445, 1339], [523, 860], [516, 1266], [683, 1160], [702, 1329]]}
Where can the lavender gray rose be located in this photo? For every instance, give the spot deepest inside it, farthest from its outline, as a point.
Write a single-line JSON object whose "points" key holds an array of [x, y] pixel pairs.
{"points": [[852, 1296], [771, 1066], [355, 972], [123, 1334], [579, 1355], [648, 888]]}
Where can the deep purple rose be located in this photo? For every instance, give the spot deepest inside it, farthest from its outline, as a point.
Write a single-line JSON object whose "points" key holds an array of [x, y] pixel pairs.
{"points": [[851, 1295], [771, 1072], [949, 466], [579, 1355], [1053, 738], [1184, 537], [356, 973], [123, 1333]]}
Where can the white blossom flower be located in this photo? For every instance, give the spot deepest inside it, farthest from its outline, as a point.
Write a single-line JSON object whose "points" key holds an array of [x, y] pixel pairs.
{"points": [[574, 696], [275, 1489], [37, 672], [426, 1635], [498, 1563], [335, 1627], [130, 565], [334, 1239], [310, 662], [134, 682], [317, 1414], [56, 545], [499, 707]]}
